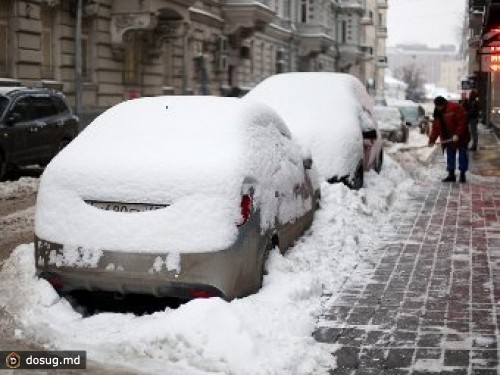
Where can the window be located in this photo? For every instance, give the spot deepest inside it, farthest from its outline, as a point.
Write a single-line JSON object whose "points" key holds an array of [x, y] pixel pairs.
{"points": [[4, 39], [132, 59], [42, 106], [344, 31], [304, 10], [22, 110], [4, 102], [46, 16], [59, 104]]}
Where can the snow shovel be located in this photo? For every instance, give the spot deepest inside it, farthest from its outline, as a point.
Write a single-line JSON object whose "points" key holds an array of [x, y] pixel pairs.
{"points": [[410, 148]]}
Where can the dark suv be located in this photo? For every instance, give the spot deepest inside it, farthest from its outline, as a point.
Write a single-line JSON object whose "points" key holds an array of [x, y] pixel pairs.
{"points": [[35, 124]]}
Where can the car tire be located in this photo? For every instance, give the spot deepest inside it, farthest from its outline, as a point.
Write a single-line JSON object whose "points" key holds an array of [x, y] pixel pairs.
{"points": [[359, 178], [379, 163], [3, 166], [404, 135], [271, 244]]}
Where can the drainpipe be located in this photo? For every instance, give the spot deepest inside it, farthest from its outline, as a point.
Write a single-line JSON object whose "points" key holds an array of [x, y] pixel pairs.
{"points": [[185, 69], [78, 59]]}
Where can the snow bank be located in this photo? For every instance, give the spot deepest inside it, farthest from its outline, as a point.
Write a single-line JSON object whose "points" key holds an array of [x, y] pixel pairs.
{"points": [[266, 333], [15, 189], [323, 112], [190, 153]]}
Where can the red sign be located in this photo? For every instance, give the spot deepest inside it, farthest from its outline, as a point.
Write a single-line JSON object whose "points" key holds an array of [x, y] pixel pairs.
{"points": [[490, 59]]}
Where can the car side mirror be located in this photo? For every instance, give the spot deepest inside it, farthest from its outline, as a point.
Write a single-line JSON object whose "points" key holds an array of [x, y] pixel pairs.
{"points": [[308, 163], [13, 118], [408, 123], [370, 134]]}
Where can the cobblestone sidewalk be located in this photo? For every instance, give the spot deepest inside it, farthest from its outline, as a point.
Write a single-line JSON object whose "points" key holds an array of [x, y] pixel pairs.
{"points": [[431, 302]]}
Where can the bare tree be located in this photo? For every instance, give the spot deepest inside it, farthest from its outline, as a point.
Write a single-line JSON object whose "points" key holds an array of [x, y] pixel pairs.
{"points": [[412, 76]]}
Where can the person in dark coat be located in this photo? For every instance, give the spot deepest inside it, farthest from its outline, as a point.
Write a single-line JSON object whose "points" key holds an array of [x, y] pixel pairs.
{"points": [[473, 118], [450, 126]]}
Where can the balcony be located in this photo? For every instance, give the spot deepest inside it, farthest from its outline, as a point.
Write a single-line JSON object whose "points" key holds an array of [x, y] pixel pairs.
{"points": [[367, 52], [129, 15], [313, 38], [382, 62], [350, 53], [382, 4], [352, 6], [366, 20], [246, 16], [382, 32]]}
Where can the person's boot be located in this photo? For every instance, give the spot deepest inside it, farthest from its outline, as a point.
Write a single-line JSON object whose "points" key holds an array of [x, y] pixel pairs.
{"points": [[463, 180], [451, 177]]}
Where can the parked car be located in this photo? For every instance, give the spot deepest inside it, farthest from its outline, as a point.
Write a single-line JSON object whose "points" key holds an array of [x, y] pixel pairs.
{"points": [[391, 124], [173, 196], [414, 115], [35, 124], [331, 115]]}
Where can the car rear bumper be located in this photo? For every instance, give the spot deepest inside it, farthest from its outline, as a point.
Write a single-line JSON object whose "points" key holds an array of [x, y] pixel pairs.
{"points": [[229, 273]]}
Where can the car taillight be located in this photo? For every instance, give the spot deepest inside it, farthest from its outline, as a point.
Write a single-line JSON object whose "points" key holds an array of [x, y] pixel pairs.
{"points": [[246, 209], [200, 293], [55, 281]]}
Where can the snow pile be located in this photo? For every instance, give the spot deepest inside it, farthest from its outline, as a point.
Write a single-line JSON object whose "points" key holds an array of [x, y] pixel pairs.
{"points": [[266, 333], [323, 112], [15, 189], [190, 153]]}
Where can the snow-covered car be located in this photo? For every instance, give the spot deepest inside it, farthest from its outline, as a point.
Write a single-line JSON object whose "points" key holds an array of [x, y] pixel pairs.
{"points": [[331, 115], [391, 124], [173, 196], [414, 115]]}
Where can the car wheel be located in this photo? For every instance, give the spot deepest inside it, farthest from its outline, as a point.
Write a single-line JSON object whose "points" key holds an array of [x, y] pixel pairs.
{"points": [[3, 166], [380, 161], [270, 245], [358, 181], [404, 135]]}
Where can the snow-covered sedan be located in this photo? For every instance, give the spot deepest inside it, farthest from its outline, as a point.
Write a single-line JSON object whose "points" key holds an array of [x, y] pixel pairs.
{"points": [[391, 124], [330, 115], [173, 196]]}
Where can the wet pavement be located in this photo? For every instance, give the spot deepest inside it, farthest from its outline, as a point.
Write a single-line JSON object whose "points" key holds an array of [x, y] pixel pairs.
{"points": [[430, 301]]}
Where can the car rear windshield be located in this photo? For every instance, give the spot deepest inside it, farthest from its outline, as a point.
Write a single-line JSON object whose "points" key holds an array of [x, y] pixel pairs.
{"points": [[410, 112], [4, 102]]}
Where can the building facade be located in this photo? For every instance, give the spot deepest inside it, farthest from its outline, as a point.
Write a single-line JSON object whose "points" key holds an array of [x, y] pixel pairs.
{"points": [[133, 48], [427, 61]]}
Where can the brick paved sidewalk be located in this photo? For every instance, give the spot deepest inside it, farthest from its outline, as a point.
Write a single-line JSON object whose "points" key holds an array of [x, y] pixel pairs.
{"points": [[430, 303]]}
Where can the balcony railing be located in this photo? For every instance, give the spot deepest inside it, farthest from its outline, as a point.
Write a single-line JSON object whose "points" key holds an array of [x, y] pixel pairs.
{"points": [[382, 32], [382, 4]]}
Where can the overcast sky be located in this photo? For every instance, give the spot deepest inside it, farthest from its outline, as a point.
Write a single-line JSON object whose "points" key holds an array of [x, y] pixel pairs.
{"points": [[431, 22]]}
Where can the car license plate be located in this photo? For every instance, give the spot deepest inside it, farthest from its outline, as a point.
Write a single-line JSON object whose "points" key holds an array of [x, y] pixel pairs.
{"points": [[125, 207]]}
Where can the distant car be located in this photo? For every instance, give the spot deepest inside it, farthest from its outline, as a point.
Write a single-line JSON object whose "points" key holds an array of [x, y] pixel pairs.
{"points": [[35, 124], [173, 196], [414, 115], [391, 124], [331, 115]]}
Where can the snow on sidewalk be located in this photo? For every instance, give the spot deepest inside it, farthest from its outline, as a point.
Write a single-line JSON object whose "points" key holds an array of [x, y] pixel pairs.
{"points": [[23, 186], [266, 333]]}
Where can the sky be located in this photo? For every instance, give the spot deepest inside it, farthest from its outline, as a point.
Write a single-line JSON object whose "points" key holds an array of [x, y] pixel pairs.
{"points": [[431, 22]]}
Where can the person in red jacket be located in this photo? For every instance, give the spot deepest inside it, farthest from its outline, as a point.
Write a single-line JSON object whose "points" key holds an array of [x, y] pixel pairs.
{"points": [[450, 125]]}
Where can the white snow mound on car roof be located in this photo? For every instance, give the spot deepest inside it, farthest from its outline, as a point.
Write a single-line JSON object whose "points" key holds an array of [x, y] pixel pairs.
{"points": [[322, 111], [195, 153]]}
